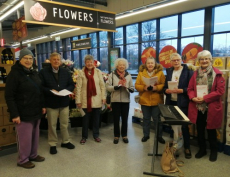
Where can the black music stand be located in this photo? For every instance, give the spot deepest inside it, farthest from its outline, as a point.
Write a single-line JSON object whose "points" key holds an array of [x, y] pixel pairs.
{"points": [[155, 148]]}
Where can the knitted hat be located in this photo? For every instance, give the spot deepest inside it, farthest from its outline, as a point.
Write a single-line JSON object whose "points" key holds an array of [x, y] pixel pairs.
{"points": [[24, 52]]}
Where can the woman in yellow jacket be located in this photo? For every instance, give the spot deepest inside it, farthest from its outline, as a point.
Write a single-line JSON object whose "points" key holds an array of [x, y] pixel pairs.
{"points": [[150, 96]]}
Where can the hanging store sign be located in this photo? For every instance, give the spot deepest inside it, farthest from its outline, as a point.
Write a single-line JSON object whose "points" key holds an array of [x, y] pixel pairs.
{"points": [[67, 15], [81, 44]]}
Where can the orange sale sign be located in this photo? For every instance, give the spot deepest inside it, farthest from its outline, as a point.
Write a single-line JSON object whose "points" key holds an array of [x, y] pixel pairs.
{"points": [[164, 56]]}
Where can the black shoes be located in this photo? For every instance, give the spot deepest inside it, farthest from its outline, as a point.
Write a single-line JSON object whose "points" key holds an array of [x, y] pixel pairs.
{"points": [[125, 140], [145, 138], [161, 140], [187, 154], [116, 140], [68, 145], [200, 154], [53, 150], [213, 156]]}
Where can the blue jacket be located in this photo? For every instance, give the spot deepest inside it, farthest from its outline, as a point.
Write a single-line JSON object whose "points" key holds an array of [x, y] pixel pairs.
{"points": [[49, 82], [182, 99]]}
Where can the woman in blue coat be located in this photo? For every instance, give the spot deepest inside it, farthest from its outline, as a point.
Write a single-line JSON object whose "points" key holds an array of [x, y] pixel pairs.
{"points": [[181, 74]]}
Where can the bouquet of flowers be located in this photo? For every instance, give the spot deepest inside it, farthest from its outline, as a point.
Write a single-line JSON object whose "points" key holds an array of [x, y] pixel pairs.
{"points": [[68, 63]]}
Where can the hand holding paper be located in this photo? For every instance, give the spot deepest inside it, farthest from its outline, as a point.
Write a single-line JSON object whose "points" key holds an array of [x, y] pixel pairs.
{"points": [[150, 81], [63, 92]]}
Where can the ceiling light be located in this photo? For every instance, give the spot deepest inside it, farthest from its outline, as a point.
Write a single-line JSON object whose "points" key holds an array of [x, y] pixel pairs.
{"points": [[62, 32], [35, 39], [149, 9], [9, 12]]}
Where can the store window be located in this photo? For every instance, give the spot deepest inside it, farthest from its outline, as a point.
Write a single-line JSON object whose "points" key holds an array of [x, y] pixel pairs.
{"points": [[132, 33], [172, 42], [83, 54], [93, 52], [83, 36], [193, 27], [104, 59], [76, 59], [75, 38], [186, 41], [53, 46], [149, 30], [67, 46], [132, 57], [93, 37], [221, 43], [118, 36], [103, 40], [168, 27], [222, 18]]}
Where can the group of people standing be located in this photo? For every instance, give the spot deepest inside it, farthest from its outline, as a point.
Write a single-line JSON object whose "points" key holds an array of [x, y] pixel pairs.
{"points": [[28, 96]]}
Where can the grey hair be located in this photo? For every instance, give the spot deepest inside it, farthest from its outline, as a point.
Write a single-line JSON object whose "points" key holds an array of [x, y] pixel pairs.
{"points": [[204, 53], [54, 55], [123, 60], [174, 55], [88, 57]]}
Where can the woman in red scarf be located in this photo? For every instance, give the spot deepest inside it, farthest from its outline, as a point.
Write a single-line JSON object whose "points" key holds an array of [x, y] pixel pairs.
{"points": [[90, 96], [120, 85]]}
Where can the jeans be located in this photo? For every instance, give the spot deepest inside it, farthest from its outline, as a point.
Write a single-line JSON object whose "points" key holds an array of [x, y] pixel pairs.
{"points": [[148, 112], [95, 114]]}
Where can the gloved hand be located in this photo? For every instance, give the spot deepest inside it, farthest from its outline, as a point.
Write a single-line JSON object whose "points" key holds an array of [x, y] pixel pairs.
{"points": [[149, 88], [116, 87], [131, 90]]}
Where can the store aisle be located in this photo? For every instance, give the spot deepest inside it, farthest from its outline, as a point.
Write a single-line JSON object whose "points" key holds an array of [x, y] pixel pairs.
{"points": [[108, 160]]}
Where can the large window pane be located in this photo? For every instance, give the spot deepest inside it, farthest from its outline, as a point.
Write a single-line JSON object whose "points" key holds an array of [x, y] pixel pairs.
{"points": [[132, 33], [60, 47], [93, 52], [221, 44], [68, 55], [168, 42], [104, 59], [222, 18], [149, 30], [83, 54], [168, 27], [190, 26], [93, 37], [103, 39], [118, 36], [75, 38], [68, 44], [132, 57], [121, 51], [53, 46], [38, 48], [83, 36], [76, 59], [148, 44], [186, 41]]}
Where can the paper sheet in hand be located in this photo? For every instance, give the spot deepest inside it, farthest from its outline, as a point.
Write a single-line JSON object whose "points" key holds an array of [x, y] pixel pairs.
{"points": [[63, 92], [150, 81], [172, 85], [82, 112], [202, 90]]}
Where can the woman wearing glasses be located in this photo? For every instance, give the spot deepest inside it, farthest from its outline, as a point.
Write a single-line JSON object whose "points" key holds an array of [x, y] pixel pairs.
{"points": [[25, 104], [205, 109], [179, 75]]}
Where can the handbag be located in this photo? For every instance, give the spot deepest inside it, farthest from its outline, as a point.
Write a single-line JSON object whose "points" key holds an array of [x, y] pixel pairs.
{"points": [[108, 97], [168, 162]]}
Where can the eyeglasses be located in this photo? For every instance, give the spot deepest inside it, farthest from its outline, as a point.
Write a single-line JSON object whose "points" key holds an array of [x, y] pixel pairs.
{"points": [[204, 59], [26, 58], [176, 60]]}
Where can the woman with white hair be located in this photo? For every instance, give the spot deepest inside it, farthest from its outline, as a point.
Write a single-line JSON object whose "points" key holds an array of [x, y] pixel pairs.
{"points": [[120, 85], [206, 111], [181, 74]]}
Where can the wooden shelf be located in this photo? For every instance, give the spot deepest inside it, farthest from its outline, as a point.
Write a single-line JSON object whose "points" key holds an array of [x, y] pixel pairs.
{"points": [[2, 85]]}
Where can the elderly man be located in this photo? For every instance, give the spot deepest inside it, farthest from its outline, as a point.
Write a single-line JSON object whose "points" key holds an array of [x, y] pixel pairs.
{"points": [[56, 78]]}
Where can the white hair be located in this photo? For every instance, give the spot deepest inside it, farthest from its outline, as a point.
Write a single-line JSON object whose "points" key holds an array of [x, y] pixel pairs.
{"points": [[122, 60], [174, 55], [204, 53]]}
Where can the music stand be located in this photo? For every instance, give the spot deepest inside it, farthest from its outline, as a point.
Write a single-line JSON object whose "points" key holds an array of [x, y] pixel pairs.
{"points": [[155, 146]]}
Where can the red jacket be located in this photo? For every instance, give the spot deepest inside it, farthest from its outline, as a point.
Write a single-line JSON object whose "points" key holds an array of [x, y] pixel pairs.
{"points": [[213, 99]]}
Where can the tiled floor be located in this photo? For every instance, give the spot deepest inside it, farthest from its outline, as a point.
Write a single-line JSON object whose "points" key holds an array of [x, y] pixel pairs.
{"points": [[108, 160]]}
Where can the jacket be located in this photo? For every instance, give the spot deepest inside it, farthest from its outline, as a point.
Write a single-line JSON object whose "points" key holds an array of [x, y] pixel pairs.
{"points": [[213, 100], [81, 89], [182, 98], [150, 98], [121, 95], [49, 82], [23, 94]]}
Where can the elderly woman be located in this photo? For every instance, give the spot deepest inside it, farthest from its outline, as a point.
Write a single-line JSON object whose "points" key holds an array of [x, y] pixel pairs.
{"points": [[205, 110], [90, 95], [26, 105], [179, 74], [120, 85], [150, 96]]}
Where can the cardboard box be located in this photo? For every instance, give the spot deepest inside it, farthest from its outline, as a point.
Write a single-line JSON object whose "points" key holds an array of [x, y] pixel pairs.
{"points": [[220, 135], [12, 129], [228, 125], [228, 138], [138, 113], [6, 120], [219, 62], [4, 139], [1, 120], [4, 130], [228, 63], [12, 138], [5, 111]]}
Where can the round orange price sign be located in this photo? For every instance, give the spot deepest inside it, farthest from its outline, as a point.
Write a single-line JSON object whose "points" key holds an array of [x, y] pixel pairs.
{"points": [[190, 52], [148, 52], [164, 56]]}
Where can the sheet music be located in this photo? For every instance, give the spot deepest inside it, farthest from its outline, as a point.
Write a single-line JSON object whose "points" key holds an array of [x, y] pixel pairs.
{"points": [[150, 81], [63, 92], [202, 90]]}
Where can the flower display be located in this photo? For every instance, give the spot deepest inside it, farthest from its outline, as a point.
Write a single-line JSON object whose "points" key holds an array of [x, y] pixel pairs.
{"points": [[67, 62]]}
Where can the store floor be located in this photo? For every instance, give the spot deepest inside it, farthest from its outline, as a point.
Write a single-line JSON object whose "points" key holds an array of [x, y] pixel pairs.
{"points": [[108, 160]]}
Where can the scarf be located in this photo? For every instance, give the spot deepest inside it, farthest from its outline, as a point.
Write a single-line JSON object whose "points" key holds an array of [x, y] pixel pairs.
{"points": [[204, 77], [91, 88], [122, 80]]}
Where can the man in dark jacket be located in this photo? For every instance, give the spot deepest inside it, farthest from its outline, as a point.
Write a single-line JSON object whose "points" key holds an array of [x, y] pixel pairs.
{"points": [[56, 78]]}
